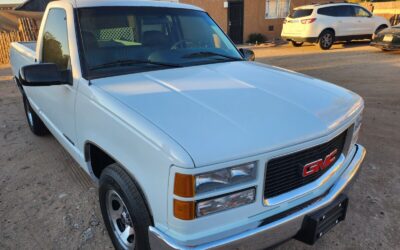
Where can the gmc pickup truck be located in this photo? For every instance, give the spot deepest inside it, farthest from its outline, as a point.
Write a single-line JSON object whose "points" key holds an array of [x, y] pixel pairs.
{"points": [[192, 144]]}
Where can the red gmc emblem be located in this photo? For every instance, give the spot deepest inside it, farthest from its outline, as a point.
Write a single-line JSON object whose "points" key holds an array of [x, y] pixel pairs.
{"points": [[316, 166]]}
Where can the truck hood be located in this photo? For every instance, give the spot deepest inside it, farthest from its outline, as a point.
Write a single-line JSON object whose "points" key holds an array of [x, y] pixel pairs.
{"points": [[226, 111]]}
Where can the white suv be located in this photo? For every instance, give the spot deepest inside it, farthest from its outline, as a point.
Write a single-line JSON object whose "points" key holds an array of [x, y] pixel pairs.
{"points": [[327, 23]]}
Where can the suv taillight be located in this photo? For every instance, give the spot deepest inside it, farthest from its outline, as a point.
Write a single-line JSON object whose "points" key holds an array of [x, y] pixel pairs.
{"points": [[308, 21]]}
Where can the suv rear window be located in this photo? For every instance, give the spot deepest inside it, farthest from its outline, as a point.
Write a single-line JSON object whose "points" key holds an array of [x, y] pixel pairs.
{"points": [[301, 13], [337, 11]]}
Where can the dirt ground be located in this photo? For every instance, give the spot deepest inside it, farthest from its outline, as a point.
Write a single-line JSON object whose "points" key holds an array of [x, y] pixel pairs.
{"points": [[47, 202]]}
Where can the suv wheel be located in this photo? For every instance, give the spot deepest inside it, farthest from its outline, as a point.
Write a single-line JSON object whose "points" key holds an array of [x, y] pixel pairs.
{"points": [[297, 44], [326, 39], [124, 210], [35, 123]]}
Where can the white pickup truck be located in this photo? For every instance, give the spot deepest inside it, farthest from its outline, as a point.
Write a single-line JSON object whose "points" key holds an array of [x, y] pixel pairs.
{"points": [[192, 145]]}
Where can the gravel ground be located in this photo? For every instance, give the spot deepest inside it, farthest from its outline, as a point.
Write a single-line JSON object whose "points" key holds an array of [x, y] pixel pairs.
{"points": [[47, 202]]}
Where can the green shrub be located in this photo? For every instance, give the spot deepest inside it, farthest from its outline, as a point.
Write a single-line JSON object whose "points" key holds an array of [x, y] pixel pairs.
{"points": [[256, 38]]}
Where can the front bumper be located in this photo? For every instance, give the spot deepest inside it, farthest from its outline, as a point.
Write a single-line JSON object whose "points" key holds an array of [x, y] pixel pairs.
{"points": [[274, 232], [386, 46]]}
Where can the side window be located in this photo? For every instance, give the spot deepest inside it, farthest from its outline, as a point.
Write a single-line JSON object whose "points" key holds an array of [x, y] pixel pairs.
{"points": [[344, 11], [327, 11], [361, 12], [55, 39]]}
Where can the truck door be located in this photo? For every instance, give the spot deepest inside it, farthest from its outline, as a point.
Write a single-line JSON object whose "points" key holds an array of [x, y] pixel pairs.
{"points": [[56, 103]]}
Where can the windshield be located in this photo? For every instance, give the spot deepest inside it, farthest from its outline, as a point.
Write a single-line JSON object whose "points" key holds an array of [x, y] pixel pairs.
{"points": [[301, 13], [119, 40]]}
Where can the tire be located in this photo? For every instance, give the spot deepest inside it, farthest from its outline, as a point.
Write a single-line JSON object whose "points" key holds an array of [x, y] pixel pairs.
{"points": [[297, 44], [123, 209], [326, 39], [35, 123]]}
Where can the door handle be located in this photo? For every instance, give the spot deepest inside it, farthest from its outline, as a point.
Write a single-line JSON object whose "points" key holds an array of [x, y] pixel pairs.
{"points": [[230, 23]]}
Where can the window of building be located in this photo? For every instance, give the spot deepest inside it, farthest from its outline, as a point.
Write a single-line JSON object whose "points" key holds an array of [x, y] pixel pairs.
{"points": [[277, 9]]}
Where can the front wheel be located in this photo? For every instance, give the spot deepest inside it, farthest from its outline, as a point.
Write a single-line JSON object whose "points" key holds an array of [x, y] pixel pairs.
{"points": [[326, 39], [297, 44], [124, 210]]}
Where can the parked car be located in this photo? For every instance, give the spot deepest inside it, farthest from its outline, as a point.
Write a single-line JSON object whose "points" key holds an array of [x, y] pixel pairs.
{"points": [[388, 39], [191, 144], [326, 23]]}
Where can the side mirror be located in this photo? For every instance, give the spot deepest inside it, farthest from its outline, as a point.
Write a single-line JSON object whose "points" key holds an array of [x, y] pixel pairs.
{"points": [[43, 74], [248, 54]]}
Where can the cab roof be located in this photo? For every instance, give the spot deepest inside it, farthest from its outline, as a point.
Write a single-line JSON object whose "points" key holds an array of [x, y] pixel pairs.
{"points": [[133, 3]]}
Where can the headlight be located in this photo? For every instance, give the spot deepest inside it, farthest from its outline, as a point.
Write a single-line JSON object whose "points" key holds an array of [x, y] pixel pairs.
{"points": [[188, 186], [230, 201], [225, 177], [356, 130]]}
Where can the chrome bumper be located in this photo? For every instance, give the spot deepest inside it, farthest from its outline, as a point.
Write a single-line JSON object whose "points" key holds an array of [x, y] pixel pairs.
{"points": [[274, 232]]}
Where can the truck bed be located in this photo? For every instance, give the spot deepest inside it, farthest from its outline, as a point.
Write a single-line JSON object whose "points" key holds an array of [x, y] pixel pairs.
{"points": [[21, 54]]}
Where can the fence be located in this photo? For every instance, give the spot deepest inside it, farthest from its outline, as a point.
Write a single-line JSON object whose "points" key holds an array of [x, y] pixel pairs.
{"points": [[27, 31]]}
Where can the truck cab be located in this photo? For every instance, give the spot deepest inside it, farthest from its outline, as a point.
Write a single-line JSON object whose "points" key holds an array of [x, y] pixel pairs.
{"points": [[192, 144]]}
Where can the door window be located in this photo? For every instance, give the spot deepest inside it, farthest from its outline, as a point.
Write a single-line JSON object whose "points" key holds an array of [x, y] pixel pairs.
{"points": [[328, 11], [55, 39], [344, 11], [337, 11], [361, 12]]}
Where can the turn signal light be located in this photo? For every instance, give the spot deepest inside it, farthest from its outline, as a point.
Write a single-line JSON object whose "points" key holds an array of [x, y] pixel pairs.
{"points": [[184, 210], [184, 185]]}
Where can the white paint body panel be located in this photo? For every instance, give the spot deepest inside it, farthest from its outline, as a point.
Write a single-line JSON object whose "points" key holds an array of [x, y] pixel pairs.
{"points": [[342, 26], [227, 111], [190, 120]]}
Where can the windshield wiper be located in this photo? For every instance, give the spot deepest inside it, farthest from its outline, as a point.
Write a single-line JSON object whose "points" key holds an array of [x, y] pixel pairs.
{"points": [[210, 53], [133, 62]]}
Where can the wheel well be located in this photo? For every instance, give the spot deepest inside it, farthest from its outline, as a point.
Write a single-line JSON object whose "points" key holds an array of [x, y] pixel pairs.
{"points": [[382, 26], [98, 159], [19, 85], [330, 29]]}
